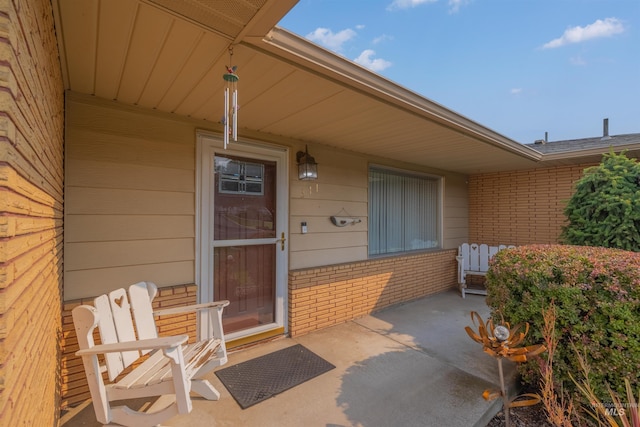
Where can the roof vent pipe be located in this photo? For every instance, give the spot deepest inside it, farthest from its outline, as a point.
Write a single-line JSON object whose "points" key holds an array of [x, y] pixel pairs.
{"points": [[605, 130], [542, 141]]}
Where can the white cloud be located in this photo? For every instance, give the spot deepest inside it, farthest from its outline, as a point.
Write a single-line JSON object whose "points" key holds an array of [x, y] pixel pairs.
{"points": [[516, 91], [331, 40], [600, 28], [577, 60], [360, 27], [382, 38], [407, 4], [455, 5], [374, 64]]}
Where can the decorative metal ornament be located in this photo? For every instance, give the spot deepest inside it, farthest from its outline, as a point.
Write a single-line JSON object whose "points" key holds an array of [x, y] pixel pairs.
{"points": [[502, 342], [501, 332], [230, 118]]}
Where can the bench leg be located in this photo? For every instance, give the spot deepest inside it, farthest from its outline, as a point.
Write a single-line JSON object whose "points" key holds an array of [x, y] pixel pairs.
{"points": [[161, 403], [153, 416], [205, 389]]}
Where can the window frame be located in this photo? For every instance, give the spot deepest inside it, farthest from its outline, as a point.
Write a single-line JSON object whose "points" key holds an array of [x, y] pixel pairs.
{"points": [[439, 179]]}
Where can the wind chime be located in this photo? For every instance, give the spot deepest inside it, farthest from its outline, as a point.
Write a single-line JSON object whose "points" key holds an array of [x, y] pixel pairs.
{"points": [[230, 119]]}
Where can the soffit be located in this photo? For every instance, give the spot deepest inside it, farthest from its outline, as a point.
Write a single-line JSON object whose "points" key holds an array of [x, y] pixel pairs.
{"points": [[165, 55]]}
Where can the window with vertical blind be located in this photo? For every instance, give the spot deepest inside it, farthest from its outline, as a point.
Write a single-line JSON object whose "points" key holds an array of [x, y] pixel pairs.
{"points": [[404, 211]]}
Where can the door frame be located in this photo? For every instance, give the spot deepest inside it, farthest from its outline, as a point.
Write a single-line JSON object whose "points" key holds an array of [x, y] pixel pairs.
{"points": [[207, 143]]}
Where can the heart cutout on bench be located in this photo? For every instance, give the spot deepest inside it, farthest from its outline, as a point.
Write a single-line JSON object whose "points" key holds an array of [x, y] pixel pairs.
{"points": [[118, 301]]}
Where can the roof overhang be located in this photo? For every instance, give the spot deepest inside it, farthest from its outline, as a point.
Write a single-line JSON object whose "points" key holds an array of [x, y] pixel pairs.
{"points": [[591, 155], [422, 130], [170, 56]]}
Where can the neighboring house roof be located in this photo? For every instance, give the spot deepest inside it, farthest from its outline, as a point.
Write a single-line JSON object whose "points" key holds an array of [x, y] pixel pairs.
{"points": [[617, 142], [586, 150], [170, 56]]}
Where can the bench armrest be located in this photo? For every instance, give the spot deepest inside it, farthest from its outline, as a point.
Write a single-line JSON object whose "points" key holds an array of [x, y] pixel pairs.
{"points": [[191, 308], [148, 344]]}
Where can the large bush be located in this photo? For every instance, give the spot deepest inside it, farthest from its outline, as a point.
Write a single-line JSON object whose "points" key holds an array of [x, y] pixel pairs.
{"points": [[605, 207], [596, 292]]}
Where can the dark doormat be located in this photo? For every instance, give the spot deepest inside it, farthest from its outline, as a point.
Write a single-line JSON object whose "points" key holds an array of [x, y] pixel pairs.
{"points": [[258, 379]]}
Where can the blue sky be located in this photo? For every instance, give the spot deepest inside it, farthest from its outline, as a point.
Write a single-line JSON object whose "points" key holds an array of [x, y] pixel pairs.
{"points": [[519, 67]]}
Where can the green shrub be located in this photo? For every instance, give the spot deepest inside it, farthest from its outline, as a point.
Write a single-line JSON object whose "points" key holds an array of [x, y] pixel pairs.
{"points": [[596, 292], [605, 207]]}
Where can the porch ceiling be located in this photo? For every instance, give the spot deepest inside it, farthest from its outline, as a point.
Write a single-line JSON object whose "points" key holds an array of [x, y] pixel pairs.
{"points": [[170, 56]]}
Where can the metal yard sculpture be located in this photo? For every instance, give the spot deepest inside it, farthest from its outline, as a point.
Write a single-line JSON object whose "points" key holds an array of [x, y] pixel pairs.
{"points": [[502, 342]]}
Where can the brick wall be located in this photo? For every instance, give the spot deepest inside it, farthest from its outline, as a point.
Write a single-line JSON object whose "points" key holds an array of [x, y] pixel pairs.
{"points": [[521, 207], [326, 296], [31, 199], [74, 382]]}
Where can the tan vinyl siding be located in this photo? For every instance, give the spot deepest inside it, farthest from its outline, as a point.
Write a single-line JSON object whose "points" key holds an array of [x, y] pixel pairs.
{"points": [[127, 166], [342, 189], [31, 172], [130, 207]]}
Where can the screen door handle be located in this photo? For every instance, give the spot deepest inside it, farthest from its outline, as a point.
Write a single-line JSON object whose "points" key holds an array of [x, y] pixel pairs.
{"points": [[282, 240]]}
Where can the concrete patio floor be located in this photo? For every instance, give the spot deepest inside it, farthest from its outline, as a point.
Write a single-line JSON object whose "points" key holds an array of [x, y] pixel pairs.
{"points": [[408, 365]]}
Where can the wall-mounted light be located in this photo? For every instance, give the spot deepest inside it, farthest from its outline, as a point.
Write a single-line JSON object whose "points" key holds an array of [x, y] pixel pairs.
{"points": [[307, 166]]}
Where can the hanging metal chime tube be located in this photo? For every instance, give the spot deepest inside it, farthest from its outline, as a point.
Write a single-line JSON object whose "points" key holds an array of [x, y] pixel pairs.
{"points": [[225, 118], [230, 117], [234, 112]]}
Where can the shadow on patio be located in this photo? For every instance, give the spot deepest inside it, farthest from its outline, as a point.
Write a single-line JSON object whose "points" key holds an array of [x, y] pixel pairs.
{"points": [[411, 364]]}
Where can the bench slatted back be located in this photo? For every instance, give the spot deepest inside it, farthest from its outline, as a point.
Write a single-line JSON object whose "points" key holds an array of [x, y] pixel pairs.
{"points": [[476, 257], [483, 257], [464, 253], [494, 250], [475, 252], [115, 325], [142, 294]]}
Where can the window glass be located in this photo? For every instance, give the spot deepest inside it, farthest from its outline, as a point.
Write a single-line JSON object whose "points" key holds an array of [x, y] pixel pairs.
{"points": [[245, 198], [404, 212]]}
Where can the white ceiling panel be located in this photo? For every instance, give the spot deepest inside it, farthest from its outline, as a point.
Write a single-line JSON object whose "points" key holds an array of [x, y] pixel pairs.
{"points": [[199, 66], [79, 44], [295, 92], [179, 47], [170, 56], [116, 23], [147, 41]]}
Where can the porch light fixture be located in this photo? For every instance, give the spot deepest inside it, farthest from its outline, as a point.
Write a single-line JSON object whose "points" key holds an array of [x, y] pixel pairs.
{"points": [[230, 118], [307, 166]]}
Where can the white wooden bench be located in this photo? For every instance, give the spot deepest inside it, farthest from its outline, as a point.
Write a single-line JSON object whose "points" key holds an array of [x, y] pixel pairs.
{"points": [[473, 259], [171, 370]]}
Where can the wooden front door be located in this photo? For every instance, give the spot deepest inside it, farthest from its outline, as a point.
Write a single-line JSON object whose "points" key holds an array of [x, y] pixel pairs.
{"points": [[247, 231], [244, 259]]}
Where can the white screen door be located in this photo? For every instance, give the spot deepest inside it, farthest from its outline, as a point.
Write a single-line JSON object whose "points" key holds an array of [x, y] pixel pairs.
{"points": [[243, 248]]}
